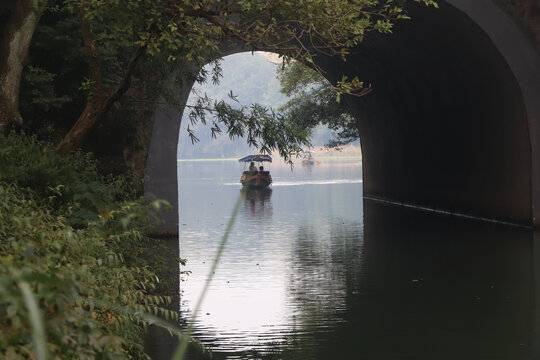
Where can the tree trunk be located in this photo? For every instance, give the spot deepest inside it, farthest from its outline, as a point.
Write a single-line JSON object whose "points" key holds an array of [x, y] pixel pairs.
{"points": [[14, 47], [96, 109], [100, 102], [88, 119]]}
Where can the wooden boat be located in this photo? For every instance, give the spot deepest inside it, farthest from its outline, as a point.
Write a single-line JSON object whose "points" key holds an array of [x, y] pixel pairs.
{"points": [[308, 158], [255, 177]]}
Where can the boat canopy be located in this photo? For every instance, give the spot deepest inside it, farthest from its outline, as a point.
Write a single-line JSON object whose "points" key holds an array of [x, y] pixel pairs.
{"points": [[308, 154], [258, 157]]}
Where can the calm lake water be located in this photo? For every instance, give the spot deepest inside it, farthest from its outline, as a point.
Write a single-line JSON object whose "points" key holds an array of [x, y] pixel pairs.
{"points": [[311, 271]]}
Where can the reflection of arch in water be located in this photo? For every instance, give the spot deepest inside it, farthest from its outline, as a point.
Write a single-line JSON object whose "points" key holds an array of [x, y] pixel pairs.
{"points": [[535, 347], [418, 287], [465, 289], [257, 202], [325, 261]]}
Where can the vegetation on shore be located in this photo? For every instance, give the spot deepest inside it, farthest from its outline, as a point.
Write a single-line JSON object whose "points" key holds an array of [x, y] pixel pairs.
{"points": [[73, 281]]}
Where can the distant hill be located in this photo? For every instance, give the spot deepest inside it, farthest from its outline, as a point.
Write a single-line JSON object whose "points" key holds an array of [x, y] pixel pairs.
{"points": [[251, 77]]}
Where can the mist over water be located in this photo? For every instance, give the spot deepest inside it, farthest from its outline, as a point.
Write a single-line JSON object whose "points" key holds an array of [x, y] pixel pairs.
{"points": [[312, 272]]}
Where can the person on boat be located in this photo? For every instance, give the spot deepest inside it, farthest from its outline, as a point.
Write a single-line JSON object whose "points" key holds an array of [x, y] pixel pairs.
{"points": [[261, 169], [252, 166]]}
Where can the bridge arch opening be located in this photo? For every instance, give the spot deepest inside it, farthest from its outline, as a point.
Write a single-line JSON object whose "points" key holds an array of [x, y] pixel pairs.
{"points": [[451, 123], [446, 126], [252, 78]]}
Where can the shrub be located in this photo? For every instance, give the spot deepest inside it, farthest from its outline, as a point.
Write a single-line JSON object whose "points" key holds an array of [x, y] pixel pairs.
{"points": [[70, 246], [71, 186]]}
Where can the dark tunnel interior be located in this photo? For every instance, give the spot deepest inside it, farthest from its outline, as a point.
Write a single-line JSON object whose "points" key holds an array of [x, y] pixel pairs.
{"points": [[445, 126]]}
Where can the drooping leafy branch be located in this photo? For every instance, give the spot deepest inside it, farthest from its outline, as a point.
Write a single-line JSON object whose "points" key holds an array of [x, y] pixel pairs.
{"points": [[262, 127], [196, 30], [313, 101]]}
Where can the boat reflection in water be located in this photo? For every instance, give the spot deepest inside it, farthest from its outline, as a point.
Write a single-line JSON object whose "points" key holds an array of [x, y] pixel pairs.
{"points": [[257, 202]]}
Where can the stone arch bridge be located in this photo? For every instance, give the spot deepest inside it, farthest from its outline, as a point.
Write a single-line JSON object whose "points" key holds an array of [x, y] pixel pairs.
{"points": [[452, 125]]}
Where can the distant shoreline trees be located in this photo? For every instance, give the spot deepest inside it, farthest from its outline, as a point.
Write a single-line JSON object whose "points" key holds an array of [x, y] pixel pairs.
{"points": [[313, 101]]}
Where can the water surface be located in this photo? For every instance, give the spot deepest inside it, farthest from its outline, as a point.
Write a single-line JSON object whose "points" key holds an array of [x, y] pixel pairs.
{"points": [[312, 272]]}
